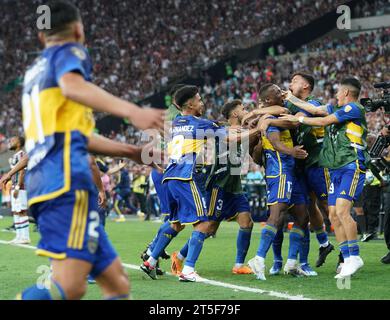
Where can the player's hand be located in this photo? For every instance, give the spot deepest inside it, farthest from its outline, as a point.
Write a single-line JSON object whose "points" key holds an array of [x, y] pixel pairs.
{"points": [[385, 131], [299, 153], [289, 117], [247, 118], [286, 95], [263, 127], [102, 199], [148, 118], [4, 179], [15, 194]]}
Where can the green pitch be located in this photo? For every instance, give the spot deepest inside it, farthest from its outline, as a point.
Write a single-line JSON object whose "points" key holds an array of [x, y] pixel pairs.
{"points": [[18, 268]]}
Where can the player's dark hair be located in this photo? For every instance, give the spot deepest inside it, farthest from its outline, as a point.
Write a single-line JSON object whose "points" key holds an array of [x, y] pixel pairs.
{"points": [[21, 141], [62, 13], [176, 87], [354, 83], [308, 78], [229, 107], [263, 91], [184, 94]]}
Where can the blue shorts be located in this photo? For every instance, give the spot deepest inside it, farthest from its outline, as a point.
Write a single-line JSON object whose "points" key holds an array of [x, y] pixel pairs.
{"points": [[318, 181], [279, 189], [161, 192], [346, 183], [299, 193], [187, 201], [225, 205], [70, 228]]}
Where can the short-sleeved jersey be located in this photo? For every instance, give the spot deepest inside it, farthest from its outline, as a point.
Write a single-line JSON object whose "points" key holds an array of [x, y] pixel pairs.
{"points": [[311, 137], [13, 161], [277, 163], [188, 137], [226, 170], [56, 128], [345, 141]]}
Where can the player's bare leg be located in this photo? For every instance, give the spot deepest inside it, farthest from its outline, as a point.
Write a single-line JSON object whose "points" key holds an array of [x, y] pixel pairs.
{"points": [[71, 274], [114, 282]]}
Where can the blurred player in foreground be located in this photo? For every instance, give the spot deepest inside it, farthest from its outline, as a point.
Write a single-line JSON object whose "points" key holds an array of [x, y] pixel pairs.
{"points": [[58, 99]]}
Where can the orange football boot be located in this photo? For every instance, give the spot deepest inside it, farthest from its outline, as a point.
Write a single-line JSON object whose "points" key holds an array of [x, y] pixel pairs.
{"points": [[242, 270], [176, 264]]}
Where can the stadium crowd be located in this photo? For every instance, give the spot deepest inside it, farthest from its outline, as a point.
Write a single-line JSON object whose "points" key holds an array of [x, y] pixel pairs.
{"points": [[159, 52], [153, 53]]}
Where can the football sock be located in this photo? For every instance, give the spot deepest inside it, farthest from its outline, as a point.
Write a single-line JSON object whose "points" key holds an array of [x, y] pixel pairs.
{"points": [[194, 248], [17, 226], [24, 225], [166, 235], [183, 251], [120, 297], [267, 236], [344, 249], [41, 293], [277, 245], [305, 247], [353, 248], [296, 236], [322, 237], [243, 242], [153, 243]]}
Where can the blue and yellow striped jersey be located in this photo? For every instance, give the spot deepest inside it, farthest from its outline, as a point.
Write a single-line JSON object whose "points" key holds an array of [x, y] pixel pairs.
{"points": [[188, 138], [277, 163], [56, 128]]}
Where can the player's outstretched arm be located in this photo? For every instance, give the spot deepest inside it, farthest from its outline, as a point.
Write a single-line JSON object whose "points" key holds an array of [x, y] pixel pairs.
{"points": [[296, 152], [102, 201], [272, 110], [76, 88], [143, 155], [319, 121], [320, 111], [19, 166]]}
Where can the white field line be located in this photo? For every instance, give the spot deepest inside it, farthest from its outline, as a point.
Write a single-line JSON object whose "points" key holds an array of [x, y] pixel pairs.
{"points": [[206, 281]]}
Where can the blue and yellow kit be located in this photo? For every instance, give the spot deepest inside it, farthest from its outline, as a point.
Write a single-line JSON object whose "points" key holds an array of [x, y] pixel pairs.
{"points": [[184, 176], [345, 148], [59, 181], [279, 168]]}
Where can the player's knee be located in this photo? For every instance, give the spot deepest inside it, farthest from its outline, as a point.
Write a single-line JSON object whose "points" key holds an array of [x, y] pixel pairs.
{"points": [[177, 226], [74, 291]]}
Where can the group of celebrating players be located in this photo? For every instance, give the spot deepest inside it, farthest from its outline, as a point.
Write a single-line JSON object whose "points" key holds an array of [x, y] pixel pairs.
{"points": [[310, 163], [314, 156]]}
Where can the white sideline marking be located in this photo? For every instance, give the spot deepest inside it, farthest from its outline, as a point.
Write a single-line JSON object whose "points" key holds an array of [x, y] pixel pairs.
{"points": [[206, 281]]}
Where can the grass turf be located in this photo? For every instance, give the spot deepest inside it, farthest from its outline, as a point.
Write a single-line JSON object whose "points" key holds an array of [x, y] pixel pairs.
{"points": [[18, 268]]}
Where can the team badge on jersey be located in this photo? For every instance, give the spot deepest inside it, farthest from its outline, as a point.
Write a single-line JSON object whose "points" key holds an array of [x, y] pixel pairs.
{"points": [[78, 53]]}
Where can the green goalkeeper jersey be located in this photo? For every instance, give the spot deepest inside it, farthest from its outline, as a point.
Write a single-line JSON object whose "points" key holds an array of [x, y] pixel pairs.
{"points": [[311, 138], [226, 169]]}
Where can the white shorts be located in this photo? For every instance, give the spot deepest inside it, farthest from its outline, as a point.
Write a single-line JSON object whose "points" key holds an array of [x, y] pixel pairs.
{"points": [[5, 199], [20, 203]]}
